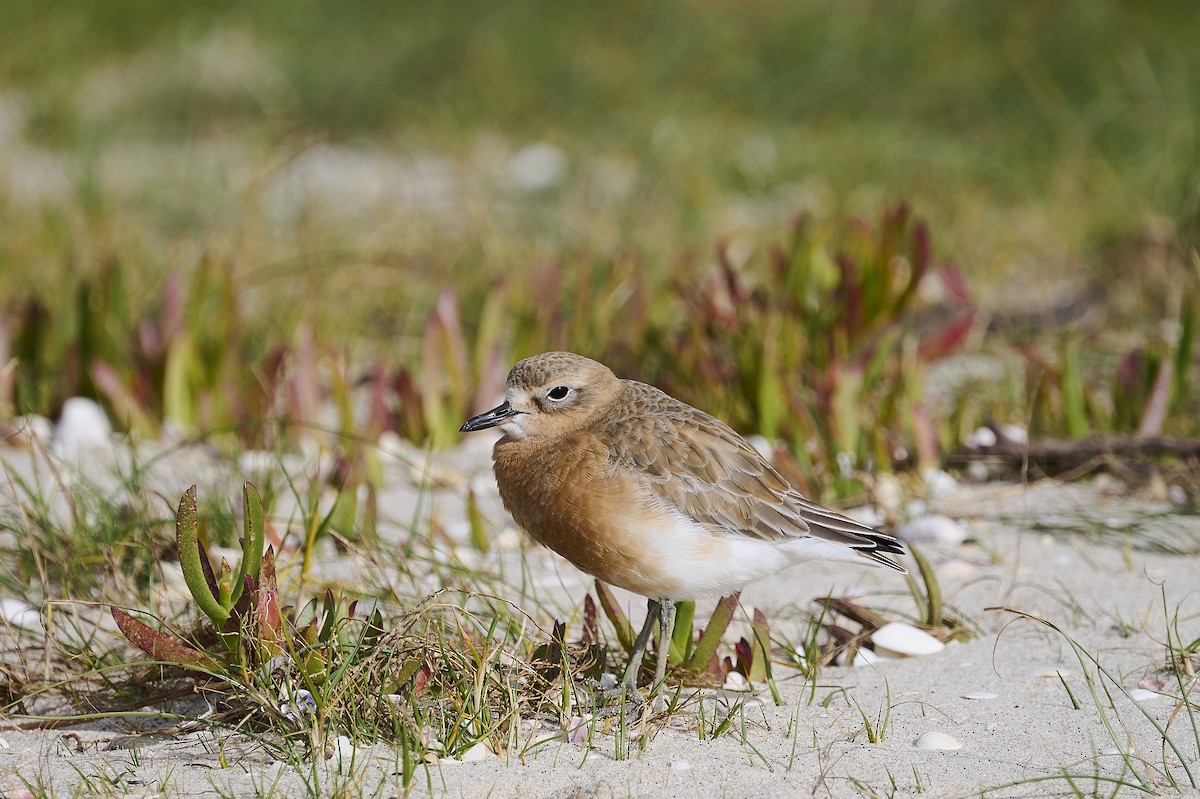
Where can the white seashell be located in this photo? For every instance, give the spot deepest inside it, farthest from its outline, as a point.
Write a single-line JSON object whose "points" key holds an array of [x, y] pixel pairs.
{"points": [[1152, 683], [344, 752], [258, 463], [936, 741], [867, 515], [1014, 434], [863, 657], [33, 430], [980, 695], [476, 753], [82, 426], [680, 765], [937, 482], [897, 639], [981, 438], [956, 570], [537, 166], [1142, 695], [577, 729], [977, 472], [933, 529], [20, 614], [889, 496], [734, 681]]}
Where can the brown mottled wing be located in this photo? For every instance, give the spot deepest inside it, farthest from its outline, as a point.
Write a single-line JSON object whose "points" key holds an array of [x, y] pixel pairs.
{"points": [[703, 468]]}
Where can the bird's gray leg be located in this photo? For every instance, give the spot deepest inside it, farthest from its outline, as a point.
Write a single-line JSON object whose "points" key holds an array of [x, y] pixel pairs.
{"points": [[653, 609], [666, 609], [628, 687]]}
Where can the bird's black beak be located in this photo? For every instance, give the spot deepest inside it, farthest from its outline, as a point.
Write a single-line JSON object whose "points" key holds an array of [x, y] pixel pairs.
{"points": [[495, 416]]}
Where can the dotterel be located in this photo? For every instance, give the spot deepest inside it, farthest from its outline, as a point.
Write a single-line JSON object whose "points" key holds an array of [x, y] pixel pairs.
{"points": [[650, 494]]}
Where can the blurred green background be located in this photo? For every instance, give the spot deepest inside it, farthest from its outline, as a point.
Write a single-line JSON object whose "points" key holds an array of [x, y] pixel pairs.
{"points": [[324, 172]]}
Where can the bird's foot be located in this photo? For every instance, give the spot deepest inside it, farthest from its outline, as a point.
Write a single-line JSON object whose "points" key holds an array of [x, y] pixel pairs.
{"points": [[623, 700]]}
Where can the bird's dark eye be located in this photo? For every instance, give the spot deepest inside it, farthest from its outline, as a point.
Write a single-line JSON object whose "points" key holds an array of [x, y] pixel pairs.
{"points": [[559, 393]]}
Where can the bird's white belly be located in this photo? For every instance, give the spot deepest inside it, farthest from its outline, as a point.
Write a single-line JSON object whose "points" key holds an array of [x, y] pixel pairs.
{"points": [[695, 563]]}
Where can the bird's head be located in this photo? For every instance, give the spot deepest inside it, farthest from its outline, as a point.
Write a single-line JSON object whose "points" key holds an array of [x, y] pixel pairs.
{"points": [[550, 395]]}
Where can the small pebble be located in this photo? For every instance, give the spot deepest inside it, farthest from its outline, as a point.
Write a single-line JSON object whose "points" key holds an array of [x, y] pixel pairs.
{"points": [[980, 695], [680, 765], [936, 741], [734, 681], [862, 658], [981, 438], [1014, 434], [82, 426], [1142, 695], [20, 614]]}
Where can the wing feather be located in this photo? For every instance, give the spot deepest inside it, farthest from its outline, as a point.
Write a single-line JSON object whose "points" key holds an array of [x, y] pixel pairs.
{"points": [[698, 465]]}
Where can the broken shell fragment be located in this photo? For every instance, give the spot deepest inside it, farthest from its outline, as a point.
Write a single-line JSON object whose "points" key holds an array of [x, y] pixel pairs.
{"points": [[897, 639]]}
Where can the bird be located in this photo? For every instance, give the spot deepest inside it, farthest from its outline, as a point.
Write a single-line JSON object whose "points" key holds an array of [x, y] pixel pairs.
{"points": [[646, 492]]}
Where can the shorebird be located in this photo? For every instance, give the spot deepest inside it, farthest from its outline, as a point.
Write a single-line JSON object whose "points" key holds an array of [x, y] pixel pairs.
{"points": [[645, 492]]}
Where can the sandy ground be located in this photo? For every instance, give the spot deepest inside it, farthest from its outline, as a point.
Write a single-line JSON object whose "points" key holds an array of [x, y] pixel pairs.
{"points": [[1081, 556]]}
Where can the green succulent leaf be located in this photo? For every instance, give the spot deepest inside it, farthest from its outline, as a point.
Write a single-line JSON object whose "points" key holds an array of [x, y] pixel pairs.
{"points": [[190, 555]]}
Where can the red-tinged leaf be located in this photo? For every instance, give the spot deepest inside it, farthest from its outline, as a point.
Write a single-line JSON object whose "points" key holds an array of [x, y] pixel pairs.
{"points": [[928, 446], [745, 656], [125, 404], [591, 626], [379, 414], [1158, 403], [840, 635], [451, 324], [921, 252], [160, 647], [710, 638], [853, 611], [491, 381], [779, 263], [305, 380], [270, 620], [891, 235], [1131, 369], [726, 666], [412, 418], [955, 285], [172, 319], [737, 295], [947, 340], [849, 295], [761, 648], [422, 679], [616, 616], [150, 342]]}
